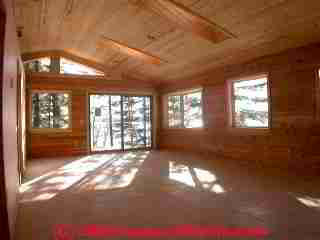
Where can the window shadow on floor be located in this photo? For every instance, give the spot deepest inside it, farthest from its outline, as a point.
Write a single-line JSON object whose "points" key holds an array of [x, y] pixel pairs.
{"points": [[157, 188]]}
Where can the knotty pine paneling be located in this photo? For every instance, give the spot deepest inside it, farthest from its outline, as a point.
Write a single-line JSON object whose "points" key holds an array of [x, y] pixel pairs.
{"points": [[293, 140], [75, 141]]}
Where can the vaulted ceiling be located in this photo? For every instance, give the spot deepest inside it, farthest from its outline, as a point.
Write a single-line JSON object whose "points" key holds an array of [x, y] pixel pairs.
{"points": [[165, 40]]}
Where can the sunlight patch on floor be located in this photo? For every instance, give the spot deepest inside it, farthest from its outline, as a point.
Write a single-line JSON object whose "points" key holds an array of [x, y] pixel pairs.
{"points": [[194, 177], [119, 174], [49, 185], [181, 174], [310, 202], [96, 172]]}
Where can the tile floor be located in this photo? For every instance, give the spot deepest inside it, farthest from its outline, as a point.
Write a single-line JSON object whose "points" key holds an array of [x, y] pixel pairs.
{"points": [[163, 190]]}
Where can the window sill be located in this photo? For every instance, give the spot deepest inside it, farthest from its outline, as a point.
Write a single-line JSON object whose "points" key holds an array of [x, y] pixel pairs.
{"points": [[64, 75], [166, 129], [49, 130], [250, 130]]}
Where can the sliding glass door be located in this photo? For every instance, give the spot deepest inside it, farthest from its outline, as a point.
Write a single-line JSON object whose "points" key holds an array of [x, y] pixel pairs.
{"points": [[120, 122], [105, 122], [136, 122]]}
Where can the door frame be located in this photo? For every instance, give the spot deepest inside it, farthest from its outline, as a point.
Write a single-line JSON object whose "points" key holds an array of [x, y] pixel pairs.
{"points": [[121, 95], [4, 216], [21, 126]]}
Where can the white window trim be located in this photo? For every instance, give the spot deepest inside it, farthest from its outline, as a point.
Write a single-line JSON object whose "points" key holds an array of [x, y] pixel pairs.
{"points": [[181, 93], [230, 102]]}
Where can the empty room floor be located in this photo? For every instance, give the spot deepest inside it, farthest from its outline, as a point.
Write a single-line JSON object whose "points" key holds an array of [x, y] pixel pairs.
{"points": [[162, 190]]}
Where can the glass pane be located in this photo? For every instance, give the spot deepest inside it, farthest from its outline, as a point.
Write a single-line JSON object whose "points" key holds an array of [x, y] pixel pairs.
{"points": [[70, 67], [136, 122], [39, 65], [192, 110], [174, 111], [60, 110], [41, 112], [105, 120], [148, 123], [50, 110], [116, 122], [251, 103]]}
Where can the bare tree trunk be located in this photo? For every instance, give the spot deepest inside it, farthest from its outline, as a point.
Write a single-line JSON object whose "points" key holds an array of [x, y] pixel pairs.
{"points": [[110, 123], [144, 122], [130, 126], [36, 113], [49, 107], [56, 111]]}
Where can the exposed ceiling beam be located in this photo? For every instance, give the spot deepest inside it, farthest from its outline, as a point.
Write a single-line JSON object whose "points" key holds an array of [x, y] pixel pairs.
{"points": [[186, 19], [131, 51]]}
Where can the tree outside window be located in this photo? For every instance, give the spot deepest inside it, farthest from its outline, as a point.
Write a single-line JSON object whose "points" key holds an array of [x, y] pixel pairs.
{"points": [[185, 110], [50, 110], [250, 103]]}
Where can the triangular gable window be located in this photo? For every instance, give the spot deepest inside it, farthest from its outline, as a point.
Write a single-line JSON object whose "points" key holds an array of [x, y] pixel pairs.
{"points": [[39, 65], [69, 67]]}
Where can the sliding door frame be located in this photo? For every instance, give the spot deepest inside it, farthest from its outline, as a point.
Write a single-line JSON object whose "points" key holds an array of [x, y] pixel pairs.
{"points": [[91, 151]]}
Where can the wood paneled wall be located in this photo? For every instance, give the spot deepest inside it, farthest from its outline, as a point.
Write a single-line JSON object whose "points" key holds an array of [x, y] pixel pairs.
{"points": [[294, 138], [75, 141]]}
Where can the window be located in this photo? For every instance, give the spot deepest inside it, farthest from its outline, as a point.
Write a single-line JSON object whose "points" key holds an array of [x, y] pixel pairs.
{"points": [[185, 110], [120, 122], [250, 106], [60, 65], [70, 67], [38, 65], [174, 107], [317, 95], [50, 110]]}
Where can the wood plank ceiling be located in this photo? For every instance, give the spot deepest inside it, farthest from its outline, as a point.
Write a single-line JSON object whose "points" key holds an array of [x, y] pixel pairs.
{"points": [[256, 28]]}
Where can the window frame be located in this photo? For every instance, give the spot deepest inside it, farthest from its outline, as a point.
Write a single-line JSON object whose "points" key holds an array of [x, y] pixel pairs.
{"points": [[122, 94], [317, 94], [181, 94], [82, 62], [100, 73], [231, 105], [50, 130], [27, 68]]}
